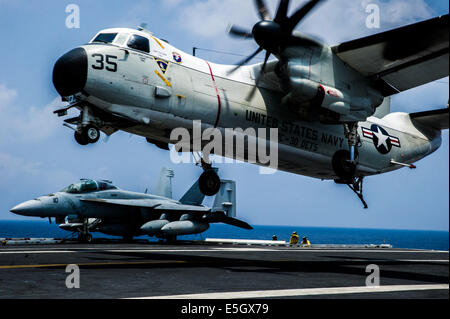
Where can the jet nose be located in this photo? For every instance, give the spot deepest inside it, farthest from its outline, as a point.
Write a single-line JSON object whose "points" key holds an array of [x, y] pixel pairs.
{"points": [[70, 72], [28, 208]]}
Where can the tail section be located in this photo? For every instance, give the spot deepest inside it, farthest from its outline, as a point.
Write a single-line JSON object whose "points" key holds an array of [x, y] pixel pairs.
{"points": [[164, 186], [193, 196], [224, 207], [225, 200], [435, 119]]}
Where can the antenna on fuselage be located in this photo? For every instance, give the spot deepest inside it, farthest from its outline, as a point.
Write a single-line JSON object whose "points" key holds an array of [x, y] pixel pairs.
{"points": [[143, 28]]}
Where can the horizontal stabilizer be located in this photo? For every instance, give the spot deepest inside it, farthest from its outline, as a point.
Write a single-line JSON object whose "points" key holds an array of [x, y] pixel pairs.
{"points": [[220, 217], [436, 119]]}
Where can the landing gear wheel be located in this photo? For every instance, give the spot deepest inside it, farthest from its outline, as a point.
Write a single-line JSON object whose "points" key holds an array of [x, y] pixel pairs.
{"points": [[79, 137], [342, 165], [91, 134], [209, 183]]}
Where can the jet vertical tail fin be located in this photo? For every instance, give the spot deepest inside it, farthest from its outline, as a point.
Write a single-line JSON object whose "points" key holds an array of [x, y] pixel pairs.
{"points": [[164, 186], [193, 196], [226, 198]]}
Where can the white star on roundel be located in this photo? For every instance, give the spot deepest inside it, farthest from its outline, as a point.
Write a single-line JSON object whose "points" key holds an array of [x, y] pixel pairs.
{"points": [[382, 139]]}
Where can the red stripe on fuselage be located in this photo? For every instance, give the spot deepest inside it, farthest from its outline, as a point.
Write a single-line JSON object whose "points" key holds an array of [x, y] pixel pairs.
{"points": [[219, 103]]}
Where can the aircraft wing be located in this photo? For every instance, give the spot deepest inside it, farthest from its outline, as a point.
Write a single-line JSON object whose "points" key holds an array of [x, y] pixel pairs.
{"points": [[436, 119], [156, 204], [403, 58], [146, 203]]}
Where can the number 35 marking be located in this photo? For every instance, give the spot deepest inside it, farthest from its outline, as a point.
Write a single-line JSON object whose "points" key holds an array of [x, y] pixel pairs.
{"points": [[100, 64]]}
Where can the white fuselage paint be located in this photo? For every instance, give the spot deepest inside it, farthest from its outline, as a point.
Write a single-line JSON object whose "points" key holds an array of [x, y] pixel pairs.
{"points": [[195, 89]]}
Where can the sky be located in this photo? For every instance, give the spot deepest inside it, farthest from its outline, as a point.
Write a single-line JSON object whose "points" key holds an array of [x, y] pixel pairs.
{"points": [[39, 156]]}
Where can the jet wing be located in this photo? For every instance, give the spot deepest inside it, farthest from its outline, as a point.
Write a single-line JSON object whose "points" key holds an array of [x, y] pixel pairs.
{"points": [[156, 204], [184, 208], [403, 58], [147, 203]]}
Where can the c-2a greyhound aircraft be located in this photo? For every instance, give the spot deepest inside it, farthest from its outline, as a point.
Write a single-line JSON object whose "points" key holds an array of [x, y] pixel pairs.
{"points": [[330, 105]]}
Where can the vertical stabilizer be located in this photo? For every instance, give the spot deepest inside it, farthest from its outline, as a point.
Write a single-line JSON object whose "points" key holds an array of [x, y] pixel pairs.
{"points": [[193, 196], [226, 198], [164, 186]]}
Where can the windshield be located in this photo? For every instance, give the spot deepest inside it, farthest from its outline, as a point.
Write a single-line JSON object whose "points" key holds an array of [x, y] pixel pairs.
{"points": [[139, 43], [105, 37], [83, 187], [88, 185]]}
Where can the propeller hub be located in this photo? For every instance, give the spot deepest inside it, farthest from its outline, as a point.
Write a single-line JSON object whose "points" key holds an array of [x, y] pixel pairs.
{"points": [[268, 34]]}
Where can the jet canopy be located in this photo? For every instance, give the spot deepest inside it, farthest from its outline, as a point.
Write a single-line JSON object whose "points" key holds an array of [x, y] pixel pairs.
{"points": [[88, 185]]}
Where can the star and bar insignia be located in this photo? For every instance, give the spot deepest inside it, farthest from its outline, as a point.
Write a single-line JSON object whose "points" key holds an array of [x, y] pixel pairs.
{"points": [[382, 140]]}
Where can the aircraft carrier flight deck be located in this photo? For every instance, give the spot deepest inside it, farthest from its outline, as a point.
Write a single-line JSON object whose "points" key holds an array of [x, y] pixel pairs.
{"points": [[190, 270]]}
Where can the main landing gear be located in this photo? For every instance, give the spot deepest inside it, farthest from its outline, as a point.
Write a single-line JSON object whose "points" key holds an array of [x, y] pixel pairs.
{"points": [[84, 236], [209, 181], [345, 162]]}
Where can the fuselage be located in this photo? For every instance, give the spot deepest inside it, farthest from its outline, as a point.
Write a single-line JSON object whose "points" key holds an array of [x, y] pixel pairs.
{"points": [[165, 88]]}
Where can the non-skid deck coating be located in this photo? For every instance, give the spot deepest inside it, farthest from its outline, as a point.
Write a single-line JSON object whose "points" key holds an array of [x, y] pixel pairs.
{"points": [[219, 271]]}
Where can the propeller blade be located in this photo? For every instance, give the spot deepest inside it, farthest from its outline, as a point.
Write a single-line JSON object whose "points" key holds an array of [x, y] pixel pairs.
{"points": [[239, 32], [262, 10], [282, 11], [260, 75], [301, 13], [245, 61]]}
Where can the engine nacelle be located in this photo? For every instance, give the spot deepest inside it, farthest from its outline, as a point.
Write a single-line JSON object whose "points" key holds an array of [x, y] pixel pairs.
{"points": [[340, 106]]}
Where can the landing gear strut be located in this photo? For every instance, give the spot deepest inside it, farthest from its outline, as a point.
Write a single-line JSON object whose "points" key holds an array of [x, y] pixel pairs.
{"points": [[345, 162], [357, 187], [209, 181], [84, 236]]}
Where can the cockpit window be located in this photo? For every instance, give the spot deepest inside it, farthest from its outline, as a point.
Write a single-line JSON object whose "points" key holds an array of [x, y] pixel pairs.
{"points": [[105, 186], [105, 37], [86, 186], [121, 38], [139, 43]]}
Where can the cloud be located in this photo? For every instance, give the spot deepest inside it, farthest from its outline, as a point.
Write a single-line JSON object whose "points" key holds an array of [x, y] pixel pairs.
{"points": [[6, 96], [332, 21], [25, 123]]}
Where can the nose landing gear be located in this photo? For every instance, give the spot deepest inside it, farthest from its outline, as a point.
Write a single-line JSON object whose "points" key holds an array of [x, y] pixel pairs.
{"points": [[87, 135]]}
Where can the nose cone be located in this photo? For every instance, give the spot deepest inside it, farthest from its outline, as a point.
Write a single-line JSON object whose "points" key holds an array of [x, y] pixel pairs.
{"points": [[70, 72], [28, 208]]}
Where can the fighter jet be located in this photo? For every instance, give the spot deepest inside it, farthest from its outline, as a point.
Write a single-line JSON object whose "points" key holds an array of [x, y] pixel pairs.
{"points": [[99, 206]]}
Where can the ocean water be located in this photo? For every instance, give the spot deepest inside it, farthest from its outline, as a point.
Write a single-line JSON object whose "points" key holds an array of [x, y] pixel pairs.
{"points": [[417, 239]]}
